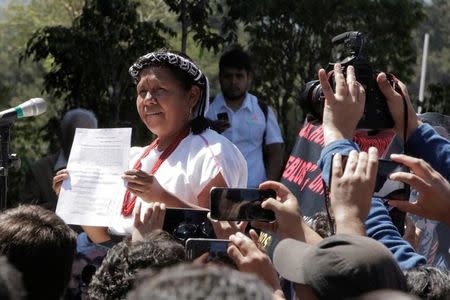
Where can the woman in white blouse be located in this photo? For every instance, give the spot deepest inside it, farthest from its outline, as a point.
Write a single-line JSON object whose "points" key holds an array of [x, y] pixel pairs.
{"points": [[187, 158]]}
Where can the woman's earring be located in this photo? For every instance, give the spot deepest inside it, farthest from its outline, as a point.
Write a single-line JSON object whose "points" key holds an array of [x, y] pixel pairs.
{"points": [[190, 113]]}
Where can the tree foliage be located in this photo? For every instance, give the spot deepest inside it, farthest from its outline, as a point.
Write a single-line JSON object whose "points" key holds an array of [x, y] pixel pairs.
{"points": [[437, 79], [90, 59], [30, 138], [438, 101], [197, 17]]}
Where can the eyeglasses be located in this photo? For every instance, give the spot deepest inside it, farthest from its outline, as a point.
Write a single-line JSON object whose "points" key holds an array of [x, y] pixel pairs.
{"points": [[185, 231]]}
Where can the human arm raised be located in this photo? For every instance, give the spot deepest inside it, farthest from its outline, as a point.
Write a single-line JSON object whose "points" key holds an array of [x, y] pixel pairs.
{"points": [[152, 219], [421, 139], [250, 259], [351, 190], [433, 201], [344, 108], [289, 222]]}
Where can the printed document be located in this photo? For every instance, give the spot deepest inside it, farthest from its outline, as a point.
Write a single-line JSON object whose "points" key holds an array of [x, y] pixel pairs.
{"points": [[93, 192]]}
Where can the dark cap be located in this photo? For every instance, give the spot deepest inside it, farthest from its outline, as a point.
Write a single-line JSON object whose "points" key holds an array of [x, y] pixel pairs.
{"points": [[339, 266]]}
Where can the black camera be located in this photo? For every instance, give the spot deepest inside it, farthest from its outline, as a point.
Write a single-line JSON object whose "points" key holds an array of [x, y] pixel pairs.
{"points": [[376, 112]]}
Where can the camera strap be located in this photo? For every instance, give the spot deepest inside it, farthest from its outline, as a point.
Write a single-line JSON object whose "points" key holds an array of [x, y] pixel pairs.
{"points": [[398, 89], [331, 223]]}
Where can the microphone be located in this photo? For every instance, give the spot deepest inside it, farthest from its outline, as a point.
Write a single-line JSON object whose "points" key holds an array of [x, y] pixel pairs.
{"points": [[30, 108]]}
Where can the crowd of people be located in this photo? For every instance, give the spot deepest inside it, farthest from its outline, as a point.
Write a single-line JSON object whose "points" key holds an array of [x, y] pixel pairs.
{"points": [[350, 250]]}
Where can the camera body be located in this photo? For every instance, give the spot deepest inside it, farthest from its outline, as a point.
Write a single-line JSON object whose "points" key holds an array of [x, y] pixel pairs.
{"points": [[376, 111]]}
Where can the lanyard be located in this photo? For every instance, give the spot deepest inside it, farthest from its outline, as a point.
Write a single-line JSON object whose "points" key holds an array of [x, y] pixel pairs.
{"points": [[129, 200]]}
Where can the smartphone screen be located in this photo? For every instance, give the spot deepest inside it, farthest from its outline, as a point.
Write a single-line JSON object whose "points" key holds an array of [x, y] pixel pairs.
{"points": [[222, 116], [216, 249], [386, 188], [185, 223], [241, 204]]}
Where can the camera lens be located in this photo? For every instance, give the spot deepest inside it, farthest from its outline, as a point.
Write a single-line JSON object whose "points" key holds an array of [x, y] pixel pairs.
{"points": [[185, 231], [311, 100], [207, 229]]}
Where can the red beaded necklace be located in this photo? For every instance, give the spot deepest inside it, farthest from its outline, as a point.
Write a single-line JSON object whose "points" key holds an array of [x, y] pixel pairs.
{"points": [[129, 199]]}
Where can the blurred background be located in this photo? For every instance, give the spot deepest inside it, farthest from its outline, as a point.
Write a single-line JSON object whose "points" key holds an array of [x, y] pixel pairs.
{"points": [[76, 53]]}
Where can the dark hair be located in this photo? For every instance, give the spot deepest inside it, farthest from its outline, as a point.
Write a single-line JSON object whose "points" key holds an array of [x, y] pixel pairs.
{"points": [[428, 282], [190, 281], [185, 72], [115, 277], [11, 287], [235, 58], [41, 246], [73, 119]]}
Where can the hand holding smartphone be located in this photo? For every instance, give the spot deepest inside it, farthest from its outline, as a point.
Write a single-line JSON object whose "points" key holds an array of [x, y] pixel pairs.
{"points": [[385, 188], [222, 116], [388, 189], [241, 204]]}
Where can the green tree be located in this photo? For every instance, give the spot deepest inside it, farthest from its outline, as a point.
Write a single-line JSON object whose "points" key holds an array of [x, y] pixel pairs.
{"points": [[21, 81], [438, 101], [437, 81], [90, 59], [198, 17]]}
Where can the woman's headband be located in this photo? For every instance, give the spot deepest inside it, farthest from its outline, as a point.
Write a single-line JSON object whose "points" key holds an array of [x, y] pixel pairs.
{"points": [[180, 62]]}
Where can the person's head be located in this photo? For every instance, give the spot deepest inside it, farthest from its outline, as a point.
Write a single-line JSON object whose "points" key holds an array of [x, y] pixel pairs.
{"points": [[190, 281], [41, 246], [172, 93], [428, 282], [11, 286], [73, 119], [116, 275], [235, 71], [339, 267]]}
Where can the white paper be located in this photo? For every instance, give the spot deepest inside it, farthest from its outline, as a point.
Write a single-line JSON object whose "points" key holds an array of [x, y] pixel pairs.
{"points": [[94, 190]]}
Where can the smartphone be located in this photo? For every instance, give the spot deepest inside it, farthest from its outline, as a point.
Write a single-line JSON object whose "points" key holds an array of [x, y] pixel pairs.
{"points": [[216, 249], [386, 188], [222, 116], [241, 204], [185, 223]]}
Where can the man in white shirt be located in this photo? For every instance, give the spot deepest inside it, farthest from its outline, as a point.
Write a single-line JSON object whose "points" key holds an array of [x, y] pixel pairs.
{"points": [[249, 123]]}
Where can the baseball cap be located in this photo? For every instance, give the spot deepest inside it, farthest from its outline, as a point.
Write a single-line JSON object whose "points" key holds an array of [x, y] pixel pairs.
{"points": [[339, 266]]}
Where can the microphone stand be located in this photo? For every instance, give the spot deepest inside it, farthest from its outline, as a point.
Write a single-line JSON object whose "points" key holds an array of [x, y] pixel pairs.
{"points": [[6, 160]]}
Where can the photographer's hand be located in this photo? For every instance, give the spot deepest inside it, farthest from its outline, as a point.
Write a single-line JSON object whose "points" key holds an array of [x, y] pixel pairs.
{"points": [[351, 190], [344, 108], [153, 219], [433, 201], [395, 104], [223, 229], [249, 259], [289, 222], [220, 125]]}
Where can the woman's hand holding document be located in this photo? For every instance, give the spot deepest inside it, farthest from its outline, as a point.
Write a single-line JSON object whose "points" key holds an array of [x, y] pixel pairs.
{"points": [[94, 189]]}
